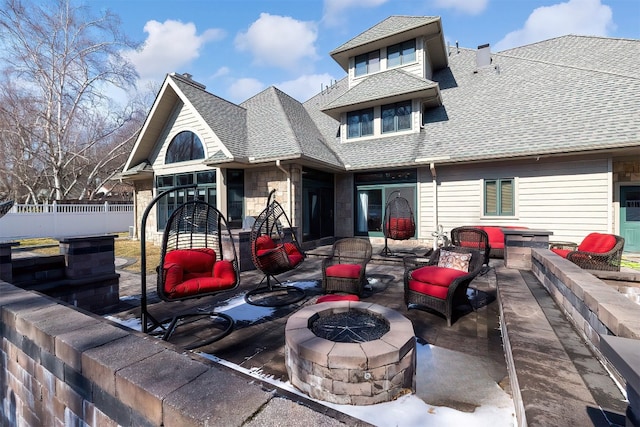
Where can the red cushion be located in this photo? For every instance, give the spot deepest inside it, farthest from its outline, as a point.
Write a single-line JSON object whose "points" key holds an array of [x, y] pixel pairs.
{"points": [[173, 275], [192, 260], [294, 255], [434, 275], [562, 252], [345, 271], [598, 243], [496, 237], [429, 289], [197, 286], [224, 271], [265, 242], [331, 298]]}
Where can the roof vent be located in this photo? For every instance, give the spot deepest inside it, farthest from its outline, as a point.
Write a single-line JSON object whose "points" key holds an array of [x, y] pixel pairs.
{"points": [[483, 56]]}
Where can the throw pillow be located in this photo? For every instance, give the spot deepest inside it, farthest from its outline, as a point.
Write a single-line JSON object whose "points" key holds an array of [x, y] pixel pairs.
{"points": [[455, 260]]}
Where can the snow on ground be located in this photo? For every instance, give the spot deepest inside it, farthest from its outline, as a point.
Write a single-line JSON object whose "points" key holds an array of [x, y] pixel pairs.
{"points": [[440, 374]]}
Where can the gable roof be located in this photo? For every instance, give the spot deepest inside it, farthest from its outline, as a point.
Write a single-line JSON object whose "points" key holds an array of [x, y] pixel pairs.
{"points": [[395, 29], [571, 94]]}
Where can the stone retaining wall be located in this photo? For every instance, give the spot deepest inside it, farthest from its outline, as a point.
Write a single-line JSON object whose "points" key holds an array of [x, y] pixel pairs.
{"points": [[60, 366], [593, 307]]}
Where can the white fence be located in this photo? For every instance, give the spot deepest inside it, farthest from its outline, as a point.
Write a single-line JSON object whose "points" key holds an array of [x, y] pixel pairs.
{"points": [[65, 220]]}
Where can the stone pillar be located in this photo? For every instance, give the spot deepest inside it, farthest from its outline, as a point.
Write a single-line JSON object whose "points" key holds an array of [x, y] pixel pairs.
{"points": [[242, 242], [6, 266], [518, 244], [88, 256], [624, 355]]}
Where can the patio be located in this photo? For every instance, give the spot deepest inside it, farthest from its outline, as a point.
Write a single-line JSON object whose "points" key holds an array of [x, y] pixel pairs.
{"points": [[465, 367]]}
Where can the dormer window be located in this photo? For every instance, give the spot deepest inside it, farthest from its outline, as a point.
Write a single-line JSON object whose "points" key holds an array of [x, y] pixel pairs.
{"points": [[367, 63], [401, 53], [396, 117], [360, 123]]}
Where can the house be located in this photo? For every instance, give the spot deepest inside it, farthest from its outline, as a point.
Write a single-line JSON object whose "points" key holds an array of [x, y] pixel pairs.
{"points": [[545, 136]]}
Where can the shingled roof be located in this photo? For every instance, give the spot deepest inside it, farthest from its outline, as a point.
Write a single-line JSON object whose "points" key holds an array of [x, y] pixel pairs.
{"points": [[570, 94], [542, 99]]}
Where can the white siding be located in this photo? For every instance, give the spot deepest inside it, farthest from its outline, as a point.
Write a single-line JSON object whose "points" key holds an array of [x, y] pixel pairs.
{"points": [[184, 118], [569, 198]]}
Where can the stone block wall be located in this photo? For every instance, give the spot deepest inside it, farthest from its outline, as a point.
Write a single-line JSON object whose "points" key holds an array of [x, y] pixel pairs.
{"points": [[60, 366], [593, 307]]}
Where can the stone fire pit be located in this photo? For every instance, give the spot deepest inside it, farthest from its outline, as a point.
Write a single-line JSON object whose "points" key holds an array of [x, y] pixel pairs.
{"points": [[365, 370]]}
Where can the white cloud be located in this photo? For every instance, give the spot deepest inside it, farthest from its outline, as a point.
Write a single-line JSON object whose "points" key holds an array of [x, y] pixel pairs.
{"points": [[333, 14], [221, 72], [306, 86], [472, 7], [585, 17], [279, 41], [243, 89], [169, 46]]}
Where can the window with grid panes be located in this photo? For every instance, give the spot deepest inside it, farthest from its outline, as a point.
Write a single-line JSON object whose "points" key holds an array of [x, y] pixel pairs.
{"points": [[499, 197]]}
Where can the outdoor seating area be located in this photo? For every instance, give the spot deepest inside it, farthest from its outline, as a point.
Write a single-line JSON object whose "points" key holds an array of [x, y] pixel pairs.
{"points": [[598, 251]]}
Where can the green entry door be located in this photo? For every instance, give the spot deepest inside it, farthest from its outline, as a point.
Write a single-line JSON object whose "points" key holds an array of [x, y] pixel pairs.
{"points": [[630, 217]]}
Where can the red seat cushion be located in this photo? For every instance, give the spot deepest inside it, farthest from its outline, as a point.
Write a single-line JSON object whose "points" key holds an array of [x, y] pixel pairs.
{"points": [[294, 255], [331, 298], [345, 271], [198, 286], [264, 242], [428, 289], [598, 243], [562, 252], [496, 237], [192, 260], [434, 275]]}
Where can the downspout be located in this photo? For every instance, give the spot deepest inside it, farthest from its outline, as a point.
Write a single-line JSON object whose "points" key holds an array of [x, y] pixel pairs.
{"points": [[434, 175], [289, 198]]}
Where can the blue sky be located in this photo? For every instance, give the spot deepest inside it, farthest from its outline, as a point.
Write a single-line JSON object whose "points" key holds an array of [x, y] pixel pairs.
{"points": [[239, 47]]}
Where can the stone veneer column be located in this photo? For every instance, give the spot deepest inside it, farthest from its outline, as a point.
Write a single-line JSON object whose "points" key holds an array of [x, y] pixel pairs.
{"points": [[6, 266], [518, 244], [88, 256]]}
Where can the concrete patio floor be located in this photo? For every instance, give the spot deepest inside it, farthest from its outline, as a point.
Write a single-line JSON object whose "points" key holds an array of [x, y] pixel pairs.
{"points": [[466, 369]]}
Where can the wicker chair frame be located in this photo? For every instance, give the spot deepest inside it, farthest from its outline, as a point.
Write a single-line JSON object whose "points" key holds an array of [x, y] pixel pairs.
{"points": [[351, 250], [273, 222], [194, 224], [397, 210], [457, 291], [606, 261], [5, 207], [474, 238]]}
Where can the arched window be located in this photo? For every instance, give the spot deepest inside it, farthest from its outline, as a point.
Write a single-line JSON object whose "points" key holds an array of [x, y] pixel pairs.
{"points": [[183, 147]]}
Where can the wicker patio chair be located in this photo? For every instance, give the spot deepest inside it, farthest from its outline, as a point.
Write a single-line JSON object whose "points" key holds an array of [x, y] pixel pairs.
{"points": [[345, 269], [197, 259], [399, 223], [274, 250], [433, 283], [474, 238], [597, 251], [5, 207]]}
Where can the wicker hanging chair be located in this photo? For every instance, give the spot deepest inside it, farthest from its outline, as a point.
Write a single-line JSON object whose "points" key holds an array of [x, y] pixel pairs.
{"points": [[5, 207], [399, 223], [197, 259], [274, 250]]}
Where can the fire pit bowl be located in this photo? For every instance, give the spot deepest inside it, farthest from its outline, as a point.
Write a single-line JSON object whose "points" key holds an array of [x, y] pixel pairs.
{"points": [[376, 364]]}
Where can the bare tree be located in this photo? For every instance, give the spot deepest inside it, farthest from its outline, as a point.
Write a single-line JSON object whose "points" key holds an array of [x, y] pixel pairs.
{"points": [[60, 65]]}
